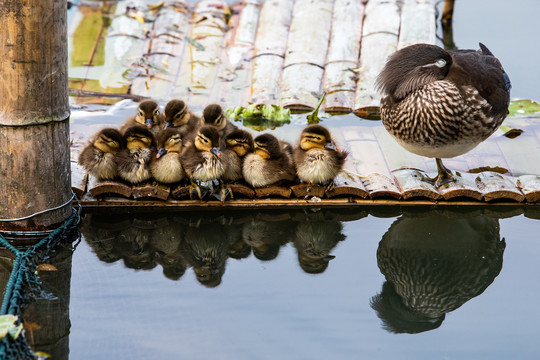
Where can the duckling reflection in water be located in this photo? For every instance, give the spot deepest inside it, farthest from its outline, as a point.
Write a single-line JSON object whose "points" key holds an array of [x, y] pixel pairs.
{"points": [[434, 263], [133, 162], [317, 159], [205, 249], [166, 243], [267, 236], [314, 240], [98, 156], [147, 116]]}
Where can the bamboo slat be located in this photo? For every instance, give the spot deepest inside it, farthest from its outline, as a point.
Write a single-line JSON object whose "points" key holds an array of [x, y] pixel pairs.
{"points": [[348, 184], [165, 51], [418, 23], [235, 68], [464, 187], [304, 191], [79, 179], [269, 52], [304, 62], [273, 191], [495, 186], [530, 187], [412, 184], [100, 188], [343, 55], [379, 40], [200, 62], [156, 191]]}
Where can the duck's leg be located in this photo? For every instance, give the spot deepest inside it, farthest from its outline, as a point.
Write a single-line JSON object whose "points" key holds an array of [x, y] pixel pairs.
{"points": [[195, 186], [329, 186], [445, 176]]}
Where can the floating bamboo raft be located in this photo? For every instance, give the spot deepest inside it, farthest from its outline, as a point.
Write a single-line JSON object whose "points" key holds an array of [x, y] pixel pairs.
{"points": [[285, 52], [281, 52]]}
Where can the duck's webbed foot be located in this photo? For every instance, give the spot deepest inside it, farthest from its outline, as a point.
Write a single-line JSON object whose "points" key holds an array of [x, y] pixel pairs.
{"points": [[329, 185], [225, 192], [443, 177], [194, 187]]}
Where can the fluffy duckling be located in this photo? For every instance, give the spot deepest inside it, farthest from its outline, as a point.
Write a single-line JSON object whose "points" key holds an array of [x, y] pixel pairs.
{"points": [[133, 162], [202, 158], [443, 104], [178, 116], [213, 115], [238, 143], [98, 156], [147, 115], [317, 158], [269, 163], [166, 166]]}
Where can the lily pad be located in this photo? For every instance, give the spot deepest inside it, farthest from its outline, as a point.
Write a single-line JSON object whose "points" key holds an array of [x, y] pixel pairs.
{"points": [[259, 111], [523, 107]]}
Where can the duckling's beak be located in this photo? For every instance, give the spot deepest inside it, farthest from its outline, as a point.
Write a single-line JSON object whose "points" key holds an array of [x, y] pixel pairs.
{"points": [[327, 258], [167, 124], [330, 146], [149, 123], [161, 152], [216, 151]]}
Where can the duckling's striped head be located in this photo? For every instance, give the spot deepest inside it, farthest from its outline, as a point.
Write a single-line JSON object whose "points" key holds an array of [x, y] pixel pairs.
{"points": [[169, 140], [147, 113], [316, 137], [176, 113], [207, 139], [139, 137], [240, 141], [267, 146], [213, 115], [109, 140], [412, 67]]}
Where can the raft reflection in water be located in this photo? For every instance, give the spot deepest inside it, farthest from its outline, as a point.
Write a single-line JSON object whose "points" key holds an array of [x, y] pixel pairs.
{"points": [[204, 242], [433, 263]]}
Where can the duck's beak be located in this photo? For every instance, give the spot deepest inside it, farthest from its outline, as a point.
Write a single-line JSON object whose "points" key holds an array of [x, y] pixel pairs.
{"points": [[216, 151], [167, 124], [161, 152], [330, 146], [149, 123]]}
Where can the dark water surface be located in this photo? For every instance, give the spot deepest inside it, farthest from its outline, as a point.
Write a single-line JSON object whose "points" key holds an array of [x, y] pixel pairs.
{"points": [[423, 284]]}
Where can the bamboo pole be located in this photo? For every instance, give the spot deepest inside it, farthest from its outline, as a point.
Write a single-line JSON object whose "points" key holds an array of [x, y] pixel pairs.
{"points": [[34, 121]]}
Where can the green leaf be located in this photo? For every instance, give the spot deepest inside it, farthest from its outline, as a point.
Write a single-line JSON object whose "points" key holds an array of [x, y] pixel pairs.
{"points": [[15, 331], [195, 43], [523, 107], [7, 322], [313, 118]]}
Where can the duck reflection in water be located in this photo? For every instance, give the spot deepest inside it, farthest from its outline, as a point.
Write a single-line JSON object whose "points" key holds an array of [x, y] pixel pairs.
{"points": [[433, 263], [314, 241], [266, 233]]}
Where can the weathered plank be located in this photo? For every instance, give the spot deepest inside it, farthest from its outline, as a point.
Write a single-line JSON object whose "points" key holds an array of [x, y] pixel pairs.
{"points": [[269, 52], [151, 190], [79, 179], [530, 187], [418, 23], [273, 191], [379, 40], [343, 55], [307, 190], [304, 62], [347, 183], [495, 186], [98, 188], [412, 184], [464, 187]]}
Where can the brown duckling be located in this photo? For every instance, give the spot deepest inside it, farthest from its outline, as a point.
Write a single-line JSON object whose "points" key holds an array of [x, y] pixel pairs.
{"points": [[147, 115], [238, 143], [166, 166], [213, 115], [202, 158], [133, 162], [98, 156], [317, 158], [269, 163], [178, 116]]}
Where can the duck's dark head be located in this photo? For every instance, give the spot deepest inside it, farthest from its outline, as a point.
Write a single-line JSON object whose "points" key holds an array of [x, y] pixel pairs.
{"points": [[147, 113], [207, 139], [169, 140], [412, 67], [213, 115], [176, 113], [267, 146], [109, 140], [139, 137], [316, 137], [240, 141]]}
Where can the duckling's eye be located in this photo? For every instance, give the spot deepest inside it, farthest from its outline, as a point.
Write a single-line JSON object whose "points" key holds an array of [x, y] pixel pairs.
{"points": [[156, 112], [204, 140], [177, 116], [141, 113], [318, 138]]}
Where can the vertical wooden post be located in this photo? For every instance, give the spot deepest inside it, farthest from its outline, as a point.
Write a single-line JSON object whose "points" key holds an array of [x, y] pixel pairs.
{"points": [[34, 114]]}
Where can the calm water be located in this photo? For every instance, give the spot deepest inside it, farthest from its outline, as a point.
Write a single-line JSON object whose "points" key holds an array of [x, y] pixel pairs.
{"points": [[423, 284]]}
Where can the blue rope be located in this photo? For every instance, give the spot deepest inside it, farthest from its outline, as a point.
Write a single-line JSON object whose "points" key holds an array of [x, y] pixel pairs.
{"points": [[23, 275]]}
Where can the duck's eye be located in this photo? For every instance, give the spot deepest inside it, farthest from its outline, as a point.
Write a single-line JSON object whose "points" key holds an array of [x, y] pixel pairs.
{"points": [[156, 112], [178, 116], [141, 113], [318, 138]]}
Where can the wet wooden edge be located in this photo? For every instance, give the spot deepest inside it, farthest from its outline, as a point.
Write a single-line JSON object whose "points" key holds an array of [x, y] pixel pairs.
{"points": [[530, 187], [305, 190], [272, 191], [98, 188], [151, 190]]}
